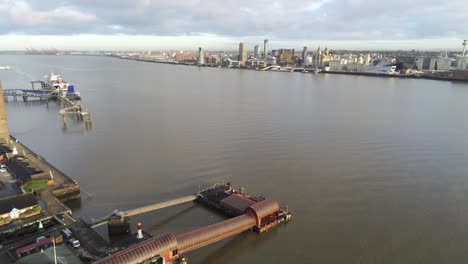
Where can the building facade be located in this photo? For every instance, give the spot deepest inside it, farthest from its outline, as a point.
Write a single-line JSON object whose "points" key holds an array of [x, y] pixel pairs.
{"points": [[242, 51], [201, 56], [419, 63], [286, 57], [186, 57], [265, 49], [443, 63], [256, 52], [304, 56]]}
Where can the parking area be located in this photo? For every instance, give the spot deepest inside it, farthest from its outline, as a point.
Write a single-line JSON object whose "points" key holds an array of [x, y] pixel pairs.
{"points": [[8, 185], [64, 255]]}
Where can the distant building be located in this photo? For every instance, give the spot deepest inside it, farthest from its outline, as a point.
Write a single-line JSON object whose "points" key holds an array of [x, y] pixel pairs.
{"points": [[286, 56], [321, 59], [419, 63], [462, 62], [443, 63], [186, 57], [213, 59], [271, 60], [304, 56], [265, 49], [242, 51], [256, 52], [201, 56], [337, 64], [433, 63]]}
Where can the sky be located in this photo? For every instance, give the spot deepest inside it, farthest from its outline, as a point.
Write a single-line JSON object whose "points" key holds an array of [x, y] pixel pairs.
{"points": [[222, 24]]}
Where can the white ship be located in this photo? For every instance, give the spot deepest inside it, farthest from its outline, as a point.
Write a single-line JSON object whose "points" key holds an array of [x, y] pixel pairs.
{"points": [[383, 67], [56, 81], [5, 68]]}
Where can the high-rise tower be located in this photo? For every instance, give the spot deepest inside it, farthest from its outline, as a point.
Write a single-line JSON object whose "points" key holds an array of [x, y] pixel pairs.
{"points": [[304, 55], [201, 56], [256, 52], [265, 49], [242, 51]]}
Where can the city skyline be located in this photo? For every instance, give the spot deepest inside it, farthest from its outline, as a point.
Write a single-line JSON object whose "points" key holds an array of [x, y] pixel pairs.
{"points": [[153, 25]]}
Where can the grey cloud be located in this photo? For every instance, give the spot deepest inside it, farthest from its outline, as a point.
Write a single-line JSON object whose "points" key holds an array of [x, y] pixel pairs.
{"points": [[280, 19]]}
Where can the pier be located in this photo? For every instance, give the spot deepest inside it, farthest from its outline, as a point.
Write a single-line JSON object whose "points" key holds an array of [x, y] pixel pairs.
{"points": [[40, 182], [69, 108], [66, 99]]}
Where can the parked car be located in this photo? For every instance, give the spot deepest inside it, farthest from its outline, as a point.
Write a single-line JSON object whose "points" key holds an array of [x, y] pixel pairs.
{"points": [[39, 239], [3, 170], [66, 233], [75, 243]]}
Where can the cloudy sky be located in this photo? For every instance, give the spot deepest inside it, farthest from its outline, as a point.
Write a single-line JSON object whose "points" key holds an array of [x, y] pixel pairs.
{"points": [[222, 24]]}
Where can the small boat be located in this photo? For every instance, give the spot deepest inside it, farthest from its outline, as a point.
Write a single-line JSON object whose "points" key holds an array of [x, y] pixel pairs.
{"points": [[6, 68]]}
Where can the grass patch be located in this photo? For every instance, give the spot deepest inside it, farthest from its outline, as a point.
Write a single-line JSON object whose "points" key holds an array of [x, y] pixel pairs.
{"points": [[33, 211], [35, 185], [4, 221]]}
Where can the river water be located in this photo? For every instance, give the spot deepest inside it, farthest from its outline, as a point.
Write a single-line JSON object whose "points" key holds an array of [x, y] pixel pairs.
{"points": [[374, 170]]}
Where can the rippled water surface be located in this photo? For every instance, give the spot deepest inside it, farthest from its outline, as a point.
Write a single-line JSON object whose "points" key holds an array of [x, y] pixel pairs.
{"points": [[375, 170]]}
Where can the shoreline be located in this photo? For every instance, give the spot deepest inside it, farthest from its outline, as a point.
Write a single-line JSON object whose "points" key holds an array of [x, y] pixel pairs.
{"points": [[400, 76]]}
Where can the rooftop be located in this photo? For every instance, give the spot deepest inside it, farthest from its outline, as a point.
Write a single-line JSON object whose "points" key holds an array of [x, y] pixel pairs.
{"points": [[18, 202]]}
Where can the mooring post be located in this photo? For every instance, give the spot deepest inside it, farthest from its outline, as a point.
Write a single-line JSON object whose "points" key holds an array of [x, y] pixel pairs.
{"points": [[64, 118]]}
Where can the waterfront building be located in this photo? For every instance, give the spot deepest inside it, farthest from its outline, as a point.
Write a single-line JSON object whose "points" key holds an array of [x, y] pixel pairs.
{"points": [[186, 57], [242, 51], [212, 59], [432, 63], [201, 56], [322, 59], [419, 63], [286, 57], [19, 206], [304, 55], [308, 60], [317, 57], [354, 66], [462, 62], [443, 63], [265, 49], [226, 61], [271, 60], [256, 52], [337, 64]]}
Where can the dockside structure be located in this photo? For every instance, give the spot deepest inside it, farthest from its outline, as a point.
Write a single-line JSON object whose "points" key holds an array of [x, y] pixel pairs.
{"points": [[261, 216]]}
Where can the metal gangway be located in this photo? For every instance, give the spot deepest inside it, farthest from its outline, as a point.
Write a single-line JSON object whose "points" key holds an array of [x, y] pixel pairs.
{"points": [[26, 93], [144, 209]]}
